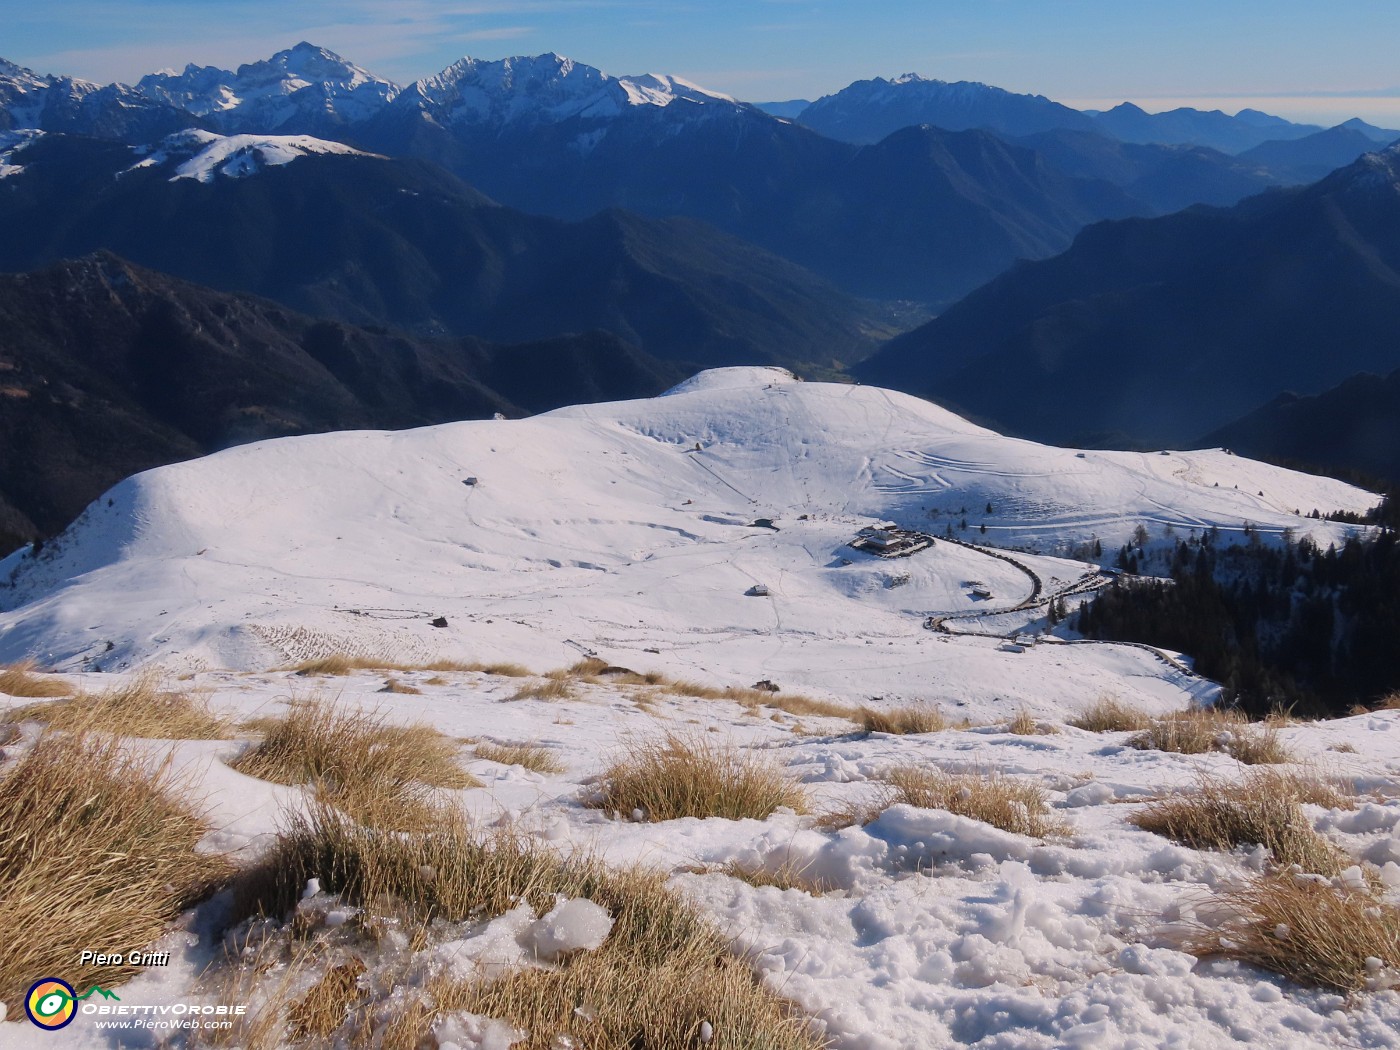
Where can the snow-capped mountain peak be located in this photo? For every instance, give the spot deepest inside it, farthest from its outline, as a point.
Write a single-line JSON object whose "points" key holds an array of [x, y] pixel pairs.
{"points": [[20, 76], [204, 156], [545, 89], [301, 87]]}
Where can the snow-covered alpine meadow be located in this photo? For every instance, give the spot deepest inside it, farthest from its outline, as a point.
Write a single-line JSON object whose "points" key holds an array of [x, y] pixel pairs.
{"points": [[705, 536]]}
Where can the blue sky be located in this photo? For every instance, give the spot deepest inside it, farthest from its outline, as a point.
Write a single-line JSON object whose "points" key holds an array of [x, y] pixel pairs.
{"points": [[1302, 58]]}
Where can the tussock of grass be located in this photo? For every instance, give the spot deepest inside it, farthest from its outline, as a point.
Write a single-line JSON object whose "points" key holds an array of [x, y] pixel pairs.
{"points": [[792, 703], [1310, 931], [1023, 723], [328, 1003], [24, 679], [551, 687], [1195, 732], [1389, 702], [96, 848], [378, 773], [907, 719], [1198, 732], [500, 670], [1108, 714], [141, 708], [661, 972], [855, 814], [530, 756], [1263, 809], [788, 876], [393, 685], [1012, 805], [676, 776], [1258, 747]]}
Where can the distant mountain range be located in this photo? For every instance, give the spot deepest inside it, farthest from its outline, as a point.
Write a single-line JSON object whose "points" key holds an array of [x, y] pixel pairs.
{"points": [[1154, 332], [894, 213], [107, 369], [371, 240], [868, 110]]}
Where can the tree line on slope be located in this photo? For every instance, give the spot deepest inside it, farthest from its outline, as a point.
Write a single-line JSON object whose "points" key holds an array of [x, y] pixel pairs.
{"points": [[1288, 626]]}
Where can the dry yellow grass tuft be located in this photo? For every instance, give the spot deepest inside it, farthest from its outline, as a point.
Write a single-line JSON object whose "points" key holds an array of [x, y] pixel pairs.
{"points": [[660, 974], [790, 875], [96, 847], [1026, 724], [140, 708], [1108, 714], [855, 813], [530, 756], [677, 776], [24, 679], [328, 1003], [553, 686], [336, 664], [393, 685], [1012, 805], [906, 719], [1198, 732], [378, 773], [1389, 702], [1310, 931], [1263, 809]]}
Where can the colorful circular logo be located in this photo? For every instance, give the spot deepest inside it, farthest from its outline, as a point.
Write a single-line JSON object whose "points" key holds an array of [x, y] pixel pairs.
{"points": [[51, 1003]]}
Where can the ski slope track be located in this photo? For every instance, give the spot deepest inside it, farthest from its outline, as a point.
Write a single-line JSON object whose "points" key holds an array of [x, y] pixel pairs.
{"points": [[604, 528]]}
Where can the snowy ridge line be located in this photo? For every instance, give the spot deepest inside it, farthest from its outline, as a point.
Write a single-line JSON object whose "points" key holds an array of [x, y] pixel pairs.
{"points": [[584, 526]]}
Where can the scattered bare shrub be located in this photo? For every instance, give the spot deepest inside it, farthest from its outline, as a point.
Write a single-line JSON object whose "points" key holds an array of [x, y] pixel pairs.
{"points": [[1310, 931], [676, 776], [96, 847], [906, 719], [140, 708], [1263, 809], [381, 774], [661, 973], [1108, 714], [530, 756], [1012, 805], [24, 679]]}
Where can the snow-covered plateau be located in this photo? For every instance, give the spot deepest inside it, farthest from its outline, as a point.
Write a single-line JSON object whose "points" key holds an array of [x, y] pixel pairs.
{"points": [[705, 535]]}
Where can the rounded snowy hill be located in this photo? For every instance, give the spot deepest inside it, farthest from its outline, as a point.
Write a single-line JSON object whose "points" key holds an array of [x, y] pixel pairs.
{"points": [[628, 529]]}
